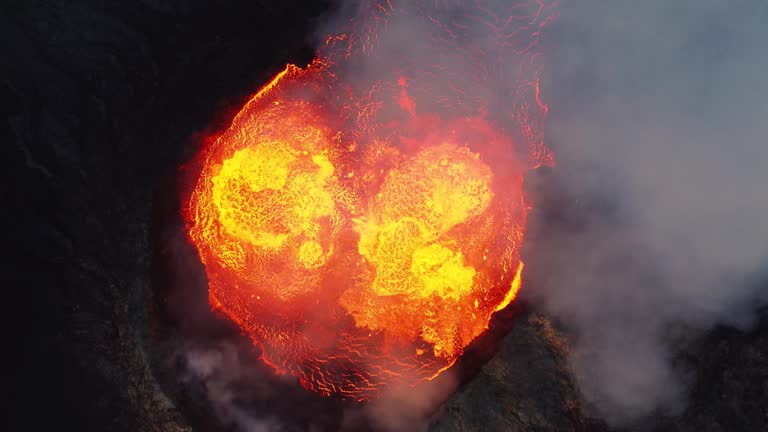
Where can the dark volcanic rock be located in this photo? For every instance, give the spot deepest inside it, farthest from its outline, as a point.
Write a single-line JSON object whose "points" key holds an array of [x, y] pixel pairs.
{"points": [[730, 391], [526, 386]]}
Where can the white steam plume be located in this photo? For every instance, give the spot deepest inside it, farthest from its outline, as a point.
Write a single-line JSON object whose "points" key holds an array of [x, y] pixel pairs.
{"points": [[659, 111]]}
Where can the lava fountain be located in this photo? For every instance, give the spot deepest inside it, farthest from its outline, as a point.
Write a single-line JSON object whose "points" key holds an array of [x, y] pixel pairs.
{"points": [[363, 230]]}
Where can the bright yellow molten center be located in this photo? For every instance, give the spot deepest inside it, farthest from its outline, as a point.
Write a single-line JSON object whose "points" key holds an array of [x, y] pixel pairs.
{"points": [[405, 237], [442, 186], [264, 197]]}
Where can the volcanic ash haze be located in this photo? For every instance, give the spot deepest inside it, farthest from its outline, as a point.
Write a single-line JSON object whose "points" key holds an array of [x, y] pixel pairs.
{"points": [[659, 121]]}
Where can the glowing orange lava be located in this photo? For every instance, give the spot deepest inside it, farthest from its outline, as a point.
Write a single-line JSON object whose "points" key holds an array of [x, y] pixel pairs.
{"points": [[360, 240]]}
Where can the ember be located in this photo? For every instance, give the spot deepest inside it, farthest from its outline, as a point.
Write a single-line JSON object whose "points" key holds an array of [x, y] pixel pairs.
{"points": [[360, 239]]}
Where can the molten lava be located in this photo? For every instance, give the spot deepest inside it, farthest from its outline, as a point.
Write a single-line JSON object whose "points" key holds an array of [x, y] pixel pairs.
{"points": [[360, 240]]}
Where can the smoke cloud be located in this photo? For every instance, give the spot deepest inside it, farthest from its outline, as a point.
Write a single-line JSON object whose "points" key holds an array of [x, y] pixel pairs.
{"points": [[402, 409], [659, 128], [219, 369], [234, 389]]}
